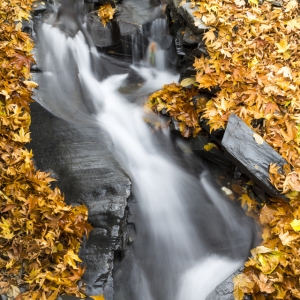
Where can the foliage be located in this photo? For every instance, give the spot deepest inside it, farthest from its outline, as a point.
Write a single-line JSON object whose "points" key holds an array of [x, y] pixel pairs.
{"points": [[40, 235], [179, 103], [106, 13], [253, 57]]}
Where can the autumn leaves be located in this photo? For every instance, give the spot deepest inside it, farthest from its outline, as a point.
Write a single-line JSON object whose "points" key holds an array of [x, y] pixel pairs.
{"points": [[40, 235]]}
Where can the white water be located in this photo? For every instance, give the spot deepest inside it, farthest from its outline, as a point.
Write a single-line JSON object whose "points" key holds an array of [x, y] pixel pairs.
{"points": [[182, 227]]}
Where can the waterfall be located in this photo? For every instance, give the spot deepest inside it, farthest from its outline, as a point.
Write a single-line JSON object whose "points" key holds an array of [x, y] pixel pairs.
{"points": [[189, 237]]}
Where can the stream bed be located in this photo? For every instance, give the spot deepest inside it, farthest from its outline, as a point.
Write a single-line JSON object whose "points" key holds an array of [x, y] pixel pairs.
{"points": [[185, 236]]}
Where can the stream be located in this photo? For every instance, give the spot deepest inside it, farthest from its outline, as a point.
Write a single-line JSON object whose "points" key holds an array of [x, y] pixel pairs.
{"points": [[189, 237]]}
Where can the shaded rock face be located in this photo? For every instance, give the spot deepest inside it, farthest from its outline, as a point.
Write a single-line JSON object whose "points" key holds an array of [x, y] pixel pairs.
{"points": [[87, 173], [126, 35]]}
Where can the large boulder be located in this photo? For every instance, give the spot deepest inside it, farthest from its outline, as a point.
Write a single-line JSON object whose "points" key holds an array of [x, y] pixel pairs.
{"points": [[86, 172]]}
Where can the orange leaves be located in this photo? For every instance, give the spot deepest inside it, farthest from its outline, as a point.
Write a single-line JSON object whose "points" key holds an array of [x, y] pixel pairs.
{"points": [[254, 58], [106, 13], [20, 60], [39, 234], [178, 103]]}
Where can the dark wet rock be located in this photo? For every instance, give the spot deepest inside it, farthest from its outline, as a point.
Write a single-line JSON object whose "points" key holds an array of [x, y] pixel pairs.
{"points": [[39, 7], [200, 50], [87, 173], [102, 36], [174, 126], [216, 135], [276, 3], [102, 2], [189, 38], [260, 194], [174, 3], [195, 24], [27, 26], [214, 155], [224, 291], [250, 157], [179, 48], [126, 35], [187, 72]]}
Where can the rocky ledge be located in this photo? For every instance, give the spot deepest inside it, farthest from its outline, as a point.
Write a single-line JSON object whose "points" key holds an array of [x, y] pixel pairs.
{"points": [[86, 172]]}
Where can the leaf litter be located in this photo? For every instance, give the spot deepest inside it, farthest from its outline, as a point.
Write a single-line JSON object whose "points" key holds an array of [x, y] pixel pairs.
{"points": [[40, 235]]}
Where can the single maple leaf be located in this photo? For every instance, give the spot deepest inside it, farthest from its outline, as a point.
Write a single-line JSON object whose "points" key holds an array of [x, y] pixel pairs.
{"points": [[282, 46], [209, 36], [20, 60], [286, 72], [22, 137], [292, 5], [70, 259], [271, 107]]}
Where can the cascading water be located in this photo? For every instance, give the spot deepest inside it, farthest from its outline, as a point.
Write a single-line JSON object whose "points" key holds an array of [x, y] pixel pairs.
{"points": [[189, 237]]}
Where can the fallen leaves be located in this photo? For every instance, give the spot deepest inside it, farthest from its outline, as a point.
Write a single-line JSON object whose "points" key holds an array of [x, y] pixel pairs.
{"points": [[179, 103], [106, 13], [258, 139], [40, 235]]}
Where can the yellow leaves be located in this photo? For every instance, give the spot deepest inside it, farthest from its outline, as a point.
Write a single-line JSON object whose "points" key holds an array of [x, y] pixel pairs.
{"points": [[287, 237], [22, 137], [253, 62], [39, 234], [6, 230], [239, 3], [188, 81], [99, 297], [242, 285], [296, 225], [210, 146], [31, 84], [268, 262], [209, 36], [291, 6], [70, 258], [292, 25], [253, 2], [286, 72], [178, 102], [247, 202], [282, 46], [106, 13]]}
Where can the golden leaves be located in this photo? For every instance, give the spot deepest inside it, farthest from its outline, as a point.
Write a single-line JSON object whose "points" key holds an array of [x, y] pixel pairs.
{"points": [[106, 13], [39, 234], [179, 103], [254, 58], [99, 297], [70, 258]]}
